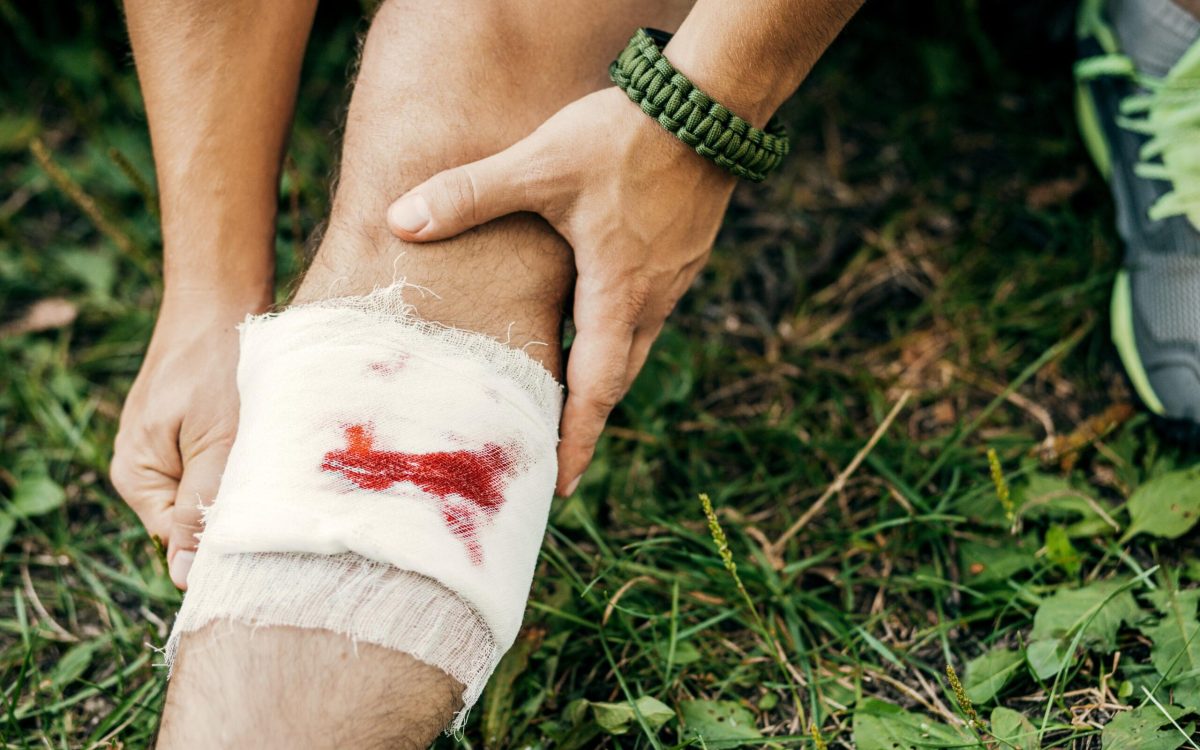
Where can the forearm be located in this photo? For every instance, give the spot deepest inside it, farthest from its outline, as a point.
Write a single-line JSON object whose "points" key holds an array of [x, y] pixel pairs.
{"points": [[219, 79], [751, 56]]}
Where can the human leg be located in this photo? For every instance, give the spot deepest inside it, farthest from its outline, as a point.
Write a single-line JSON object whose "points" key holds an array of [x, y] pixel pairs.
{"points": [[439, 85]]}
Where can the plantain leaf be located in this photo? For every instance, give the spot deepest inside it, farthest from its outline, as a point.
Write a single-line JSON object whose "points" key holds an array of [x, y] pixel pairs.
{"points": [[1099, 609], [1094, 612], [1175, 653], [1014, 729], [720, 724], [989, 673], [1167, 506], [35, 496], [1145, 728], [882, 726]]}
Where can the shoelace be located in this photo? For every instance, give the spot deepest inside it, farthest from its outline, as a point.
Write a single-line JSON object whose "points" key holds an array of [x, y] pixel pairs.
{"points": [[1167, 112]]}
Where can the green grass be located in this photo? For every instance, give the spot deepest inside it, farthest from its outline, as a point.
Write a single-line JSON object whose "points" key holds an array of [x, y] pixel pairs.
{"points": [[937, 231]]}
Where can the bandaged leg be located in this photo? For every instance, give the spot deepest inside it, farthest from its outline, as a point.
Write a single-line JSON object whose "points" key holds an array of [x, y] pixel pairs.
{"points": [[241, 681], [390, 481]]}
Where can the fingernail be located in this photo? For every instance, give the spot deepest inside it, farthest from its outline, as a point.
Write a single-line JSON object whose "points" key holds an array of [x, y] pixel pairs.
{"points": [[573, 485], [180, 565], [410, 214]]}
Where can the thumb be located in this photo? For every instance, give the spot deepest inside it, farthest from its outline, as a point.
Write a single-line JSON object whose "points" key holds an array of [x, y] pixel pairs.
{"points": [[453, 201], [198, 485]]}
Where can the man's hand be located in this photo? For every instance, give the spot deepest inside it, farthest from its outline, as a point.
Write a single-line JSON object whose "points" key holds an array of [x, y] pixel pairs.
{"points": [[639, 208], [180, 419]]}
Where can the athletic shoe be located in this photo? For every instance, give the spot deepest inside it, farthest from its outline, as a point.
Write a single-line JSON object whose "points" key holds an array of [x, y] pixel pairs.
{"points": [[1144, 134]]}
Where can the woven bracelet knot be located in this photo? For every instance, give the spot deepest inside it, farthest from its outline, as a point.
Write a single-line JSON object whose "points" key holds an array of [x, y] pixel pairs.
{"points": [[692, 116]]}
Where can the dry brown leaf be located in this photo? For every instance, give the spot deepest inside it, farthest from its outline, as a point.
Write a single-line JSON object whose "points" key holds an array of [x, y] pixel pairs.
{"points": [[43, 315]]}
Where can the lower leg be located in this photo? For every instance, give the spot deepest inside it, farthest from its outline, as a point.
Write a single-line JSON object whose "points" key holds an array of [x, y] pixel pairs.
{"points": [[235, 685], [440, 85], [501, 69]]}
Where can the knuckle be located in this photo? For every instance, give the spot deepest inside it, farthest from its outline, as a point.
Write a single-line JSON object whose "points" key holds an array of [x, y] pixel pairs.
{"points": [[620, 306], [185, 537], [159, 531], [187, 523], [123, 477], [216, 443], [602, 399], [633, 297]]}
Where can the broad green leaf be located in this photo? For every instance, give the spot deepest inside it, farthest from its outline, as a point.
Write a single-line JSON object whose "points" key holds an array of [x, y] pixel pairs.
{"points": [[1045, 496], [721, 724], [1047, 658], [1061, 552], [1174, 601], [1176, 644], [1040, 493], [94, 268], [36, 495], [654, 711], [1145, 728], [73, 664], [1176, 656], [837, 695], [882, 726], [1090, 608], [685, 652], [1098, 610], [1167, 506], [613, 718], [576, 711], [617, 718], [579, 732], [989, 673], [998, 561], [7, 524], [1012, 727]]}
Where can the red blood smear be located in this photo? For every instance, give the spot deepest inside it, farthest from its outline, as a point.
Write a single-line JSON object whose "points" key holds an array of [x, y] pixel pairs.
{"points": [[389, 368], [469, 484]]}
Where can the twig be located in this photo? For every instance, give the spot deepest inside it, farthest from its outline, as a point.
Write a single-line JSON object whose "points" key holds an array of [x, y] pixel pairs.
{"points": [[87, 205], [59, 630], [1037, 411], [612, 603], [775, 552]]}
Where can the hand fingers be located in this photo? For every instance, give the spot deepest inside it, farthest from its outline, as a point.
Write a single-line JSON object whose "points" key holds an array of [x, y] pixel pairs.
{"points": [[458, 199], [147, 492], [146, 482], [643, 340], [596, 381], [201, 478]]}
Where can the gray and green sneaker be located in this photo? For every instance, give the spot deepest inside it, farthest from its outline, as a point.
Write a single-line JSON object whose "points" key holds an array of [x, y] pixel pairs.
{"points": [[1144, 134]]}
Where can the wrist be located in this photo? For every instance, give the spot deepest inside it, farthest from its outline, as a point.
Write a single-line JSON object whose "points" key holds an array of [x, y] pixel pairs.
{"points": [[221, 274], [694, 115], [216, 298], [748, 88], [227, 257]]}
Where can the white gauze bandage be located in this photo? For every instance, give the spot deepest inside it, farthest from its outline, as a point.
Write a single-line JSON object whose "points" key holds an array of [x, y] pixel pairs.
{"points": [[390, 480]]}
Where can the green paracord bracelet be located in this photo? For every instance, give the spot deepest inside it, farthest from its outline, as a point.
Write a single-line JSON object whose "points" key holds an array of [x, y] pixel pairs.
{"points": [[665, 94]]}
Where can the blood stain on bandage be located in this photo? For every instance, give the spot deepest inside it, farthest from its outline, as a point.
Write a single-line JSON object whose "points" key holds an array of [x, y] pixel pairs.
{"points": [[469, 484], [390, 367]]}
